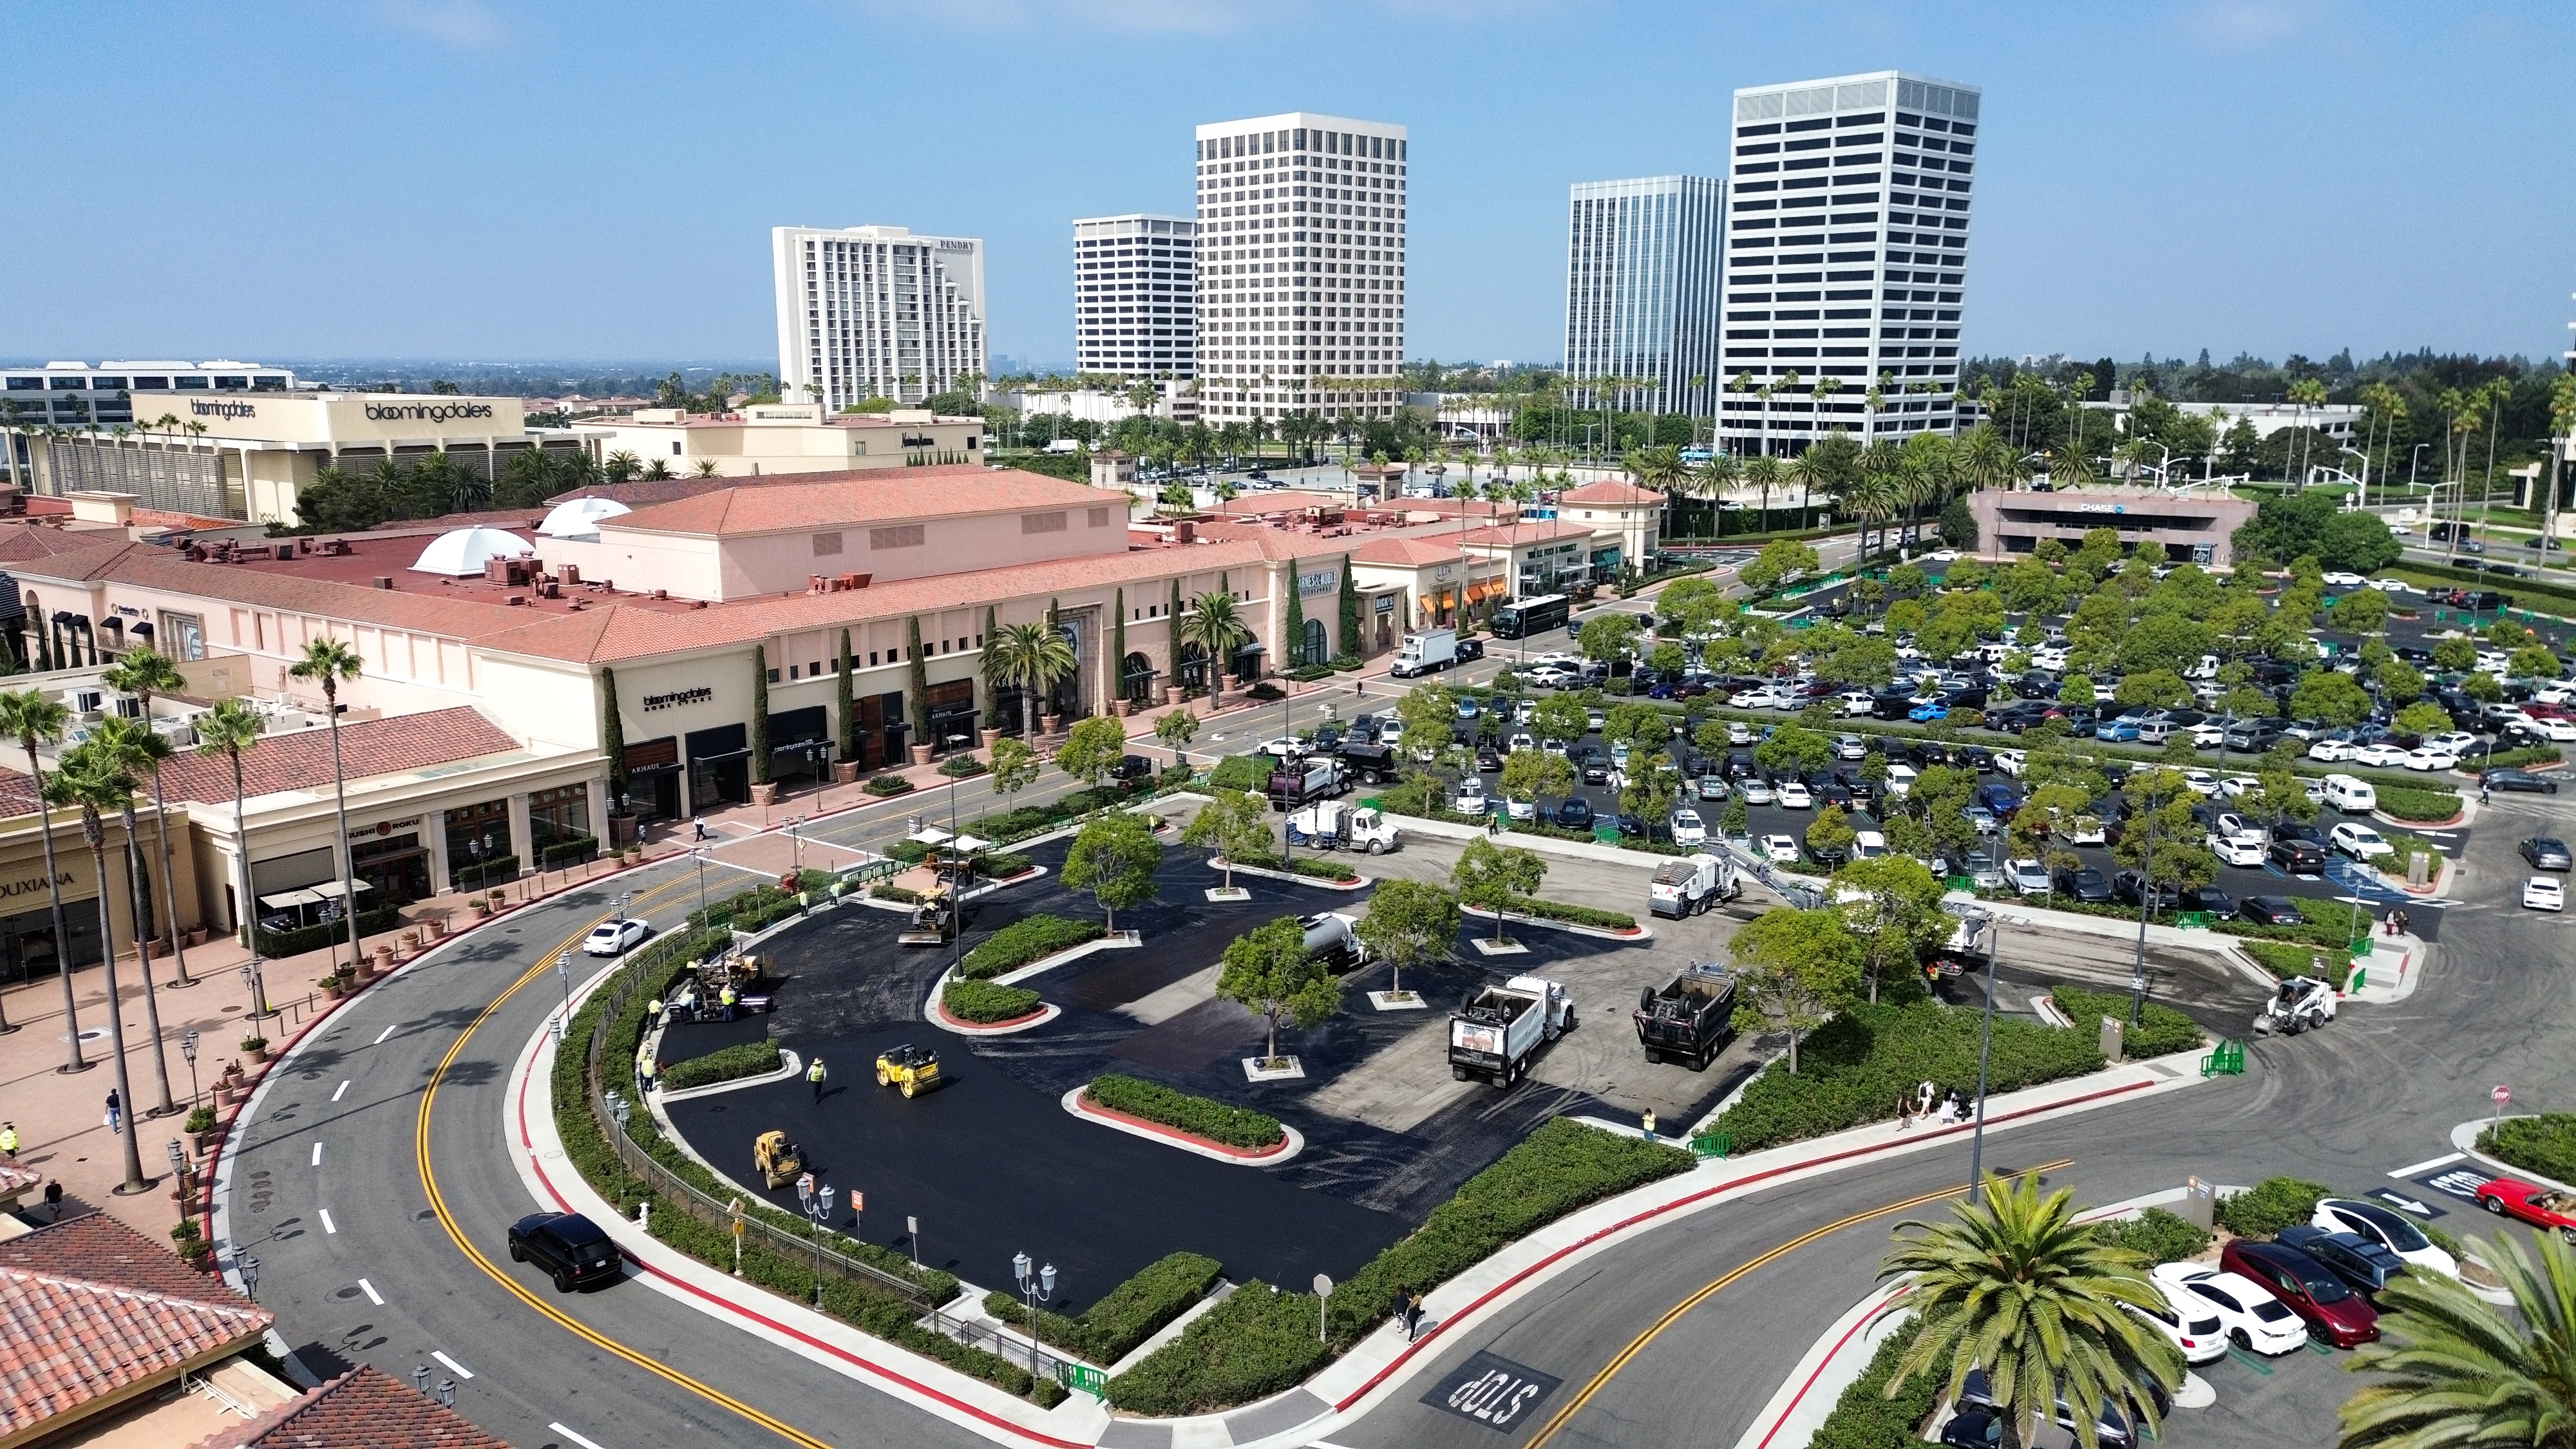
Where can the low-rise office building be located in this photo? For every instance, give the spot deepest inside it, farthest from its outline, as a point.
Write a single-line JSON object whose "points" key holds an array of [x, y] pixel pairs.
{"points": [[2195, 526], [77, 396], [767, 438]]}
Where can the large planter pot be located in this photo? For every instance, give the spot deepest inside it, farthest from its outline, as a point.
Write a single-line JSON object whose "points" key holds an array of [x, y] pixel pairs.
{"points": [[765, 793], [920, 754], [384, 960], [330, 987], [257, 1054], [845, 772], [1172, 694], [1050, 724], [362, 972], [1120, 708], [624, 829]]}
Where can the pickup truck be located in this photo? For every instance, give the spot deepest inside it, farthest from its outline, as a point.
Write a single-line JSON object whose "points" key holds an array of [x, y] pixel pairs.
{"points": [[1297, 782], [1691, 883], [1691, 1018], [1332, 825], [1493, 1036]]}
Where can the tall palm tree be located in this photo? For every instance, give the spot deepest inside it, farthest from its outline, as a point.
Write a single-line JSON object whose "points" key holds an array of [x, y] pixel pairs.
{"points": [[1031, 657], [1215, 624], [95, 782], [1807, 470], [327, 662], [2015, 1286], [1762, 470], [136, 749], [228, 729], [2459, 1372], [34, 720], [143, 673]]}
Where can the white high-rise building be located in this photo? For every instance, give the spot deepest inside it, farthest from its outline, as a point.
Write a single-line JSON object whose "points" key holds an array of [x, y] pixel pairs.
{"points": [[875, 311], [1133, 281], [1301, 267], [1642, 261], [1847, 249]]}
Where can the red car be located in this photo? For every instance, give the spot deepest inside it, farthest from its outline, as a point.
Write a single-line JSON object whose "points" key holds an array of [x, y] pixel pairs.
{"points": [[2539, 1206], [2311, 1290]]}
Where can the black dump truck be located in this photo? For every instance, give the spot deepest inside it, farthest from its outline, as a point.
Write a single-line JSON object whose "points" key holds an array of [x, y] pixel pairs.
{"points": [[1691, 1018]]}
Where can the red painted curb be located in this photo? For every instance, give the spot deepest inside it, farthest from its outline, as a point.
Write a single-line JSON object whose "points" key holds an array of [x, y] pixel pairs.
{"points": [[1801, 1396], [1162, 1129], [1598, 1234]]}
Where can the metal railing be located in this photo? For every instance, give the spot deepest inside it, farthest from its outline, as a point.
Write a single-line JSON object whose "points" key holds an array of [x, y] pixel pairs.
{"points": [[1014, 1345]]}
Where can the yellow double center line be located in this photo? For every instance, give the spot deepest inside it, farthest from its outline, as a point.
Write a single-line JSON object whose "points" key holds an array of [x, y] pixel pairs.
{"points": [[438, 1203], [1638, 1344]]}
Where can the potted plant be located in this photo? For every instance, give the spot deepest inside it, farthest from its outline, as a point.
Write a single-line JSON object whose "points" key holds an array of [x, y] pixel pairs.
{"points": [[190, 1242], [255, 1048], [201, 1126], [332, 986], [478, 906], [500, 897]]}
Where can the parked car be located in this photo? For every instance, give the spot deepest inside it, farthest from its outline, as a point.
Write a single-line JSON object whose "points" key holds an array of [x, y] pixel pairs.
{"points": [[1794, 795], [2129, 886], [2084, 883], [2189, 1322], [1780, 849], [2511, 779], [1758, 791], [2211, 899], [2236, 850], [2312, 1290], [2388, 1228], [2252, 1319], [1712, 787], [1574, 814], [2271, 911], [2299, 857], [1688, 828], [569, 1247], [2359, 842], [2028, 877], [2363, 1265]]}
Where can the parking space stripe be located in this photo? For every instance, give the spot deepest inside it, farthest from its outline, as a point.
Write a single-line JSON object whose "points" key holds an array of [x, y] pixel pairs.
{"points": [[2445, 1160], [583, 1440], [462, 1371], [373, 1296], [328, 1226]]}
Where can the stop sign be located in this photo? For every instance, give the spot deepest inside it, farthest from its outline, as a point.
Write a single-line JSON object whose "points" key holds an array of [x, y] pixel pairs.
{"points": [[2501, 1095]]}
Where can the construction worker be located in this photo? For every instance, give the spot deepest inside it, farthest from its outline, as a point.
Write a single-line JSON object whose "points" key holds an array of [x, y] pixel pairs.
{"points": [[647, 1069], [815, 1074], [727, 999], [653, 1011], [9, 1140]]}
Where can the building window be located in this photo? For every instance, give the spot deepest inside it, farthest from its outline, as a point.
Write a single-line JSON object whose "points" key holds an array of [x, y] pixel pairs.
{"points": [[183, 635], [558, 815], [826, 543], [477, 837]]}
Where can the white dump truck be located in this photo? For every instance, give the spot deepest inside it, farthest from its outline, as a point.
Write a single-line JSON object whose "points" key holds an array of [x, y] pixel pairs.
{"points": [[1493, 1036], [1691, 883], [1340, 825]]}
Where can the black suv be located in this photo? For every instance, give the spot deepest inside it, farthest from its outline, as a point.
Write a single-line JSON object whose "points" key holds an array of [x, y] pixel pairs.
{"points": [[2084, 883], [567, 1245], [2298, 856], [1575, 814]]}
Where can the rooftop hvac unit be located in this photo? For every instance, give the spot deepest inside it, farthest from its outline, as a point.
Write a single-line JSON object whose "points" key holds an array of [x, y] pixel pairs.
{"points": [[85, 701]]}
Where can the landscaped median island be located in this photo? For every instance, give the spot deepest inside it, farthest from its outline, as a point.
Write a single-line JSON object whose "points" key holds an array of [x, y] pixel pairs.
{"points": [[2161, 1030], [1314, 867], [987, 1004], [1132, 1312], [1024, 941], [745, 1059], [1262, 1340], [2545, 1144], [1567, 913], [1201, 1117]]}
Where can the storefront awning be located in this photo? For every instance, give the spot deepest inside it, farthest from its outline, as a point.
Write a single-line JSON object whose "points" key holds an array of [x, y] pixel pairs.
{"points": [[289, 900], [720, 758], [330, 890]]}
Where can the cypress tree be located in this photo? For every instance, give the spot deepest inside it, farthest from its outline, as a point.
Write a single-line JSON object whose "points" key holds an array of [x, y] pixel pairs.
{"points": [[612, 736], [1351, 645], [1172, 636], [992, 687], [1294, 634], [843, 697], [760, 714], [1118, 645], [920, 682]]}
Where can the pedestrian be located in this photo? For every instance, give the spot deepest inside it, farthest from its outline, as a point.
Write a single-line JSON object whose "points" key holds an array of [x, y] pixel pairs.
{"points": [[115, 1111], [1904, 1112], [815, 1074], [1923, 1096], [1649, 1124], [728, 1000], [2405, 922], [699, 823], [1943, 1112], [9, 1140], [2486, 793], [54, 1200], [1412, 1317], [1958, 1105], [646, 1070]]}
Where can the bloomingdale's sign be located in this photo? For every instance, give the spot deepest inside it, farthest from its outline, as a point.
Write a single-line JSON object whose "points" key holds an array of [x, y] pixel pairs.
{"points": [[699, 695], [426, 412]]}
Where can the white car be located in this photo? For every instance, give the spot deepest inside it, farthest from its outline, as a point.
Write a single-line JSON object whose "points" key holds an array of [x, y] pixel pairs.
{"points": [[1868, 845], [2247, 1313], [2376, 1223], [2007, 762], [1900, 781], [1553, 676], [1758, 791], [1288, 748], [1390, 732], [1470, 800], [1794, 796], [2086, 830], [1855, 701], [1850, 747], [2556, 729], [2028, 877], [2191, 1325], [2347, 580], [2237, 787], [2380, 753], [2458, 742], [1593, 720], [1738, 732], [2425, 757], [2394, 586], [613, 938], [2359, 841], [2201, 782], [1688, 828], [2236, 850], [1780, 849], [2544, 893], [2206, 736], [2331, 751], [1521, 809], [1761, 696]]}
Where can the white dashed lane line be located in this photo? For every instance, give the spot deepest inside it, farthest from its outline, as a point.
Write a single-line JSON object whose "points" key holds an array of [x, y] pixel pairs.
{"points": [[373, 1296], [584, 1441], [342, 1092], [388, 1031], [328, 1226], [317, 1154], [462, 1371]]}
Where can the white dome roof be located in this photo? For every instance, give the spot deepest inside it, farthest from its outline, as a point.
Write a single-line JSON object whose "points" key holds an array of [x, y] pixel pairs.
{"points": [[579, 517], [460, 552]]}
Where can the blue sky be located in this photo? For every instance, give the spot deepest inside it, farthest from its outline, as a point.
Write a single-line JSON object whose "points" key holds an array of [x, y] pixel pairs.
{"points": [[498, 180]]}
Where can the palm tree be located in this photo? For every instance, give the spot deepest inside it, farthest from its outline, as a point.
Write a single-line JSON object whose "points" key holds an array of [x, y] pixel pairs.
{"points": [[1807, 470], [228, 729], [95, 782], [327, 662], [621, 466], [143, 673], [2459, 1372], [36, 720], [1762, 470], [134, 749], [1215, 624], [1032, 657], [2015, 1286]]}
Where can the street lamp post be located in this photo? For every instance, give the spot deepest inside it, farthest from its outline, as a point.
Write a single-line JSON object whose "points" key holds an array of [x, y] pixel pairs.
{"points": [[188, 1049], [1033, 1287], [1985, 1055], [2146, 907], [699, 854]]}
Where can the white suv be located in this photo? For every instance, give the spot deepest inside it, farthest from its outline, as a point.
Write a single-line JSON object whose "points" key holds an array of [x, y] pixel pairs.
{"points": [[2029, 877]]}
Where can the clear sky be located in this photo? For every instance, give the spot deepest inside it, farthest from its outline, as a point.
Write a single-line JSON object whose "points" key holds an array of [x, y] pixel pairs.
{"points": [[506, 180]]}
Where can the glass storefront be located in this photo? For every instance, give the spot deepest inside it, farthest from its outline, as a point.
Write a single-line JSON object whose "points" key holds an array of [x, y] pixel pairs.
{"points": [[558, 815], [395, 867], [476, 834], [27, 948], [653, 778], [719, 767]]}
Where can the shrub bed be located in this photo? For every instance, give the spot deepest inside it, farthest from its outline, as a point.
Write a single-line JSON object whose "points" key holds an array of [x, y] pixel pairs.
{"points": [[1027, 820], [2512, 759], [1851, 1069], [1024, 941], [2160, 1029], [2335, 933], [2158, 1235], [888, 785], [276, 945], [2545, 1144], [503, 868], [1002, 865], [745, 1059], [1199, 1116], [2285, 960], [1242, 772], [1258, 1341], [904, 894], [1304, 865], [569, 852], [984, 1003], [2269, 1206], [1132, 1312], [1866, 1418], [962, 767], [1572, 914], [757, 907], [2407, 803]]}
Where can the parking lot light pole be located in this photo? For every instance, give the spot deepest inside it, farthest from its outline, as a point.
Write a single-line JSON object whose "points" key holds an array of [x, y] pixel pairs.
{"points": [[1985, 1055], [2146, 907], [699, 854]]}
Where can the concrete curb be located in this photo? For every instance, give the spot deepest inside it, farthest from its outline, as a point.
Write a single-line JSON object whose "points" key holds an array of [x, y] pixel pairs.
{"points": [[789, 1067], [935, 1012], [1643, 932], [1115, 941], [2465, 1138], [1358, 882], [1174, 1137]]}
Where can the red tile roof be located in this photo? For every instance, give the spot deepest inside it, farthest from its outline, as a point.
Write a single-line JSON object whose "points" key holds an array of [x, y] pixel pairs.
{"points": [[1285, 501], [90, 1309], [365, 1408], [15, 1180], [857, 497], [1544, 530], [1401, 551], [301, 760], [1611, 491]]}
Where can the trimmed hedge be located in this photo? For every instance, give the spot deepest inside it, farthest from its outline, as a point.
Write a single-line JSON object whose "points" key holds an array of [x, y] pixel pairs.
{"points": [[2286, 960], [1866, 1418], [1305, 865], [564, 852], [905, 894], [1254, 1344], [1025, 940], [2160, 1030], [888, 785], [1242, 772], [1132, 1312], [1027, 820], [276, 945], [475, 875], [2269, 1206], [744, 1059], [2545, 1144], [1852, 1069], [984, 1003], [2408, 803], [2157, 1234], [1572, 914], [962, 767], [1199, 1116]]}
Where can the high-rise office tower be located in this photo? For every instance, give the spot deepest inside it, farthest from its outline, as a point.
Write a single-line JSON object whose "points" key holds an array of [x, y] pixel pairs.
{"points": [[1301, 267], [875, 311], [1132, 283], [1642, 261], [1847, 247]]}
